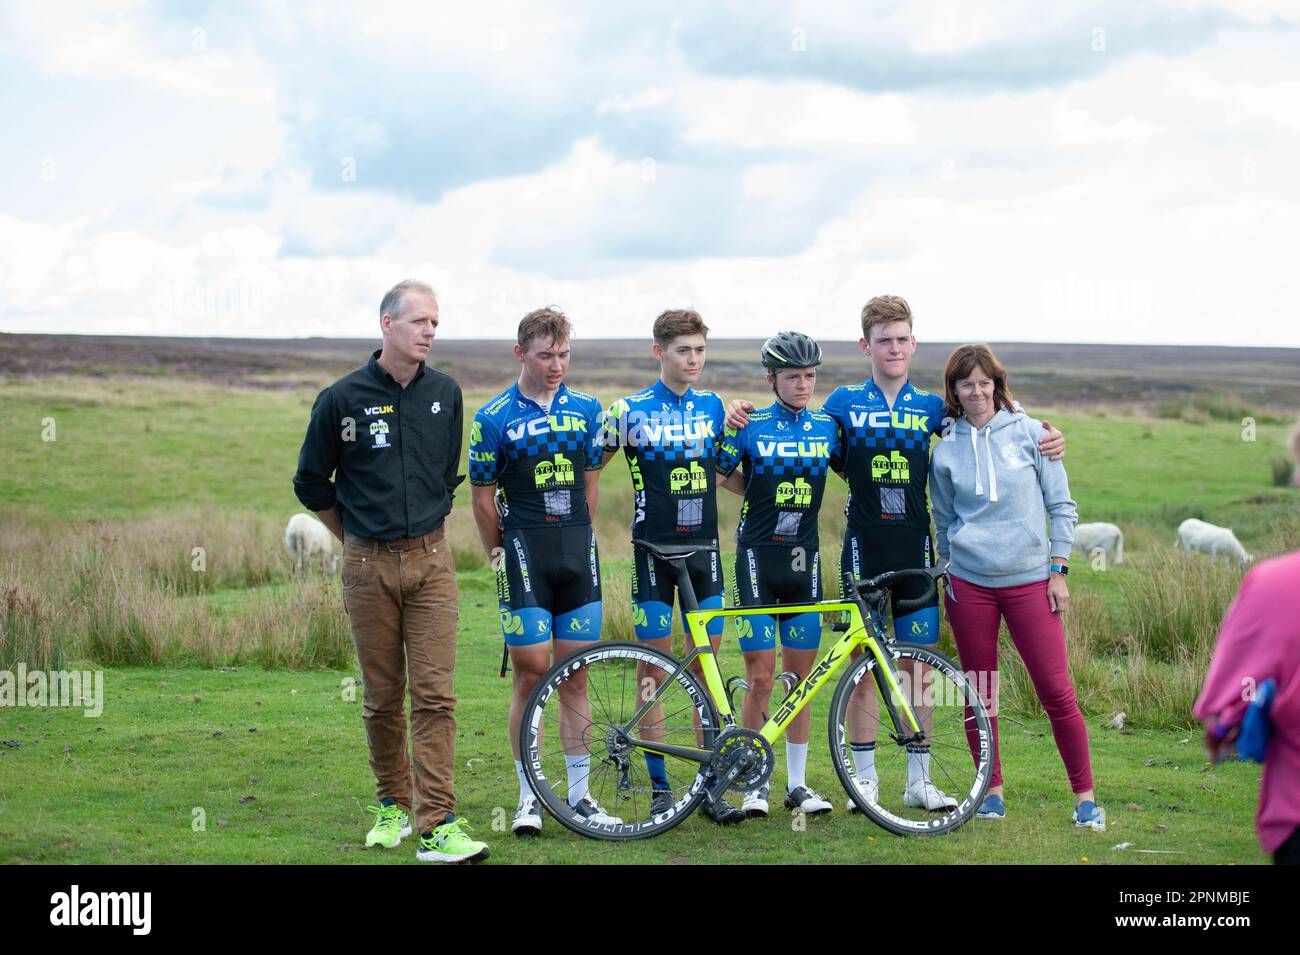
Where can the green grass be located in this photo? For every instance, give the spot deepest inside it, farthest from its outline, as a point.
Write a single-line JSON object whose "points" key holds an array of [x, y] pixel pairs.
{"points": [[105, 518], [124, 787]]}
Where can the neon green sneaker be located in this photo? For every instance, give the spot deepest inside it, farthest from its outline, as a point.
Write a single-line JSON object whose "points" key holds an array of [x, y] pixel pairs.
{"points": [[391, 826], [451, 843]]}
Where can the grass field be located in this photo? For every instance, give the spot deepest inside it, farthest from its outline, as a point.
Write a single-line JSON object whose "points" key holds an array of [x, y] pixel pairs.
{"points": [[124, 787], [97, 538]]}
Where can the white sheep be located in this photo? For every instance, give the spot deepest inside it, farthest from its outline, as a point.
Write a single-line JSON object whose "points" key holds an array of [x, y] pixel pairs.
{"points": [[1088, 537], [1210, 539], [308, 540]]}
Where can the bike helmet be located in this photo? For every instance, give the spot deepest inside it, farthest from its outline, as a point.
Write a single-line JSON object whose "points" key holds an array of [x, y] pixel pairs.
{"points": [[790, 350]]}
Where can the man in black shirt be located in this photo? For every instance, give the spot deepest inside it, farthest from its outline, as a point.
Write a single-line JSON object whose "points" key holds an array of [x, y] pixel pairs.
{"points": [[390, 433]]}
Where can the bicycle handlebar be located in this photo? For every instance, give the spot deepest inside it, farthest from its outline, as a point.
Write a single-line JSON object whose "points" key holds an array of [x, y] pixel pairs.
{"points": [[875, 588]]}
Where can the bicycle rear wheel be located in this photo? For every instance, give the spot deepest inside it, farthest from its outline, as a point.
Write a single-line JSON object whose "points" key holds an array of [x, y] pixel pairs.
{"points": [[955, 757], [615, 679]]}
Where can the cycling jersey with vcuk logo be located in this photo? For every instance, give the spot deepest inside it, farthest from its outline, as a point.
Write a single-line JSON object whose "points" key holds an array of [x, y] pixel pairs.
{"points": [[537, 460], [785, 455], [671, 443], [887, 452]]}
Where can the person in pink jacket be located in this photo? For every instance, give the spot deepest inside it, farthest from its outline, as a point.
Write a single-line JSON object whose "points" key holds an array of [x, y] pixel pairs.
{"points": [[1258, 642]]}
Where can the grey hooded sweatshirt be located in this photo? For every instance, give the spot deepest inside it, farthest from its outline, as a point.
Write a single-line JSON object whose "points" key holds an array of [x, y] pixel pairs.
{"points": [[991, 492]]}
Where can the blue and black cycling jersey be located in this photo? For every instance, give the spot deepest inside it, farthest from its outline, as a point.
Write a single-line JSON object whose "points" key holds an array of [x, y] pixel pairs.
{"points": [[671, 443], [537, 459], [887, 460], [886, 452], [785, 456]]}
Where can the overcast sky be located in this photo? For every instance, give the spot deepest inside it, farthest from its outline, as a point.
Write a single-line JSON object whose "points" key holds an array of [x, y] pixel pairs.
{"points": [[1108, 171]]}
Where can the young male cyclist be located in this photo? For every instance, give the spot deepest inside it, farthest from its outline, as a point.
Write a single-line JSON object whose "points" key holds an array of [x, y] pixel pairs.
{"points": [[670, 434], [886, 424], [785, 454], [534, 456]]}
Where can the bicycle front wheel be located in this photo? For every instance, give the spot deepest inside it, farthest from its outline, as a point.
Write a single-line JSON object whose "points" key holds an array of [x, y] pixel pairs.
{"points": [[573, 741], [905, 785]]}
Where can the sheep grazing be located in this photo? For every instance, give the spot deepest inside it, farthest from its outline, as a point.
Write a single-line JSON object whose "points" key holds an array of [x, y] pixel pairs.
{"points": [[1210, 539], [1089, 537], [309, 541]]}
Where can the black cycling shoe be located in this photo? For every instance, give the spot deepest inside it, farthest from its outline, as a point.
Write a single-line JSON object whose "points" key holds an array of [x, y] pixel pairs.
{"points": [[661, 802], [723, 812]]}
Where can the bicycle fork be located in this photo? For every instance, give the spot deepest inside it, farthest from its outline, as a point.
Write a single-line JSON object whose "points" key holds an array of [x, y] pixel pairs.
{"points": [[891, 691]]}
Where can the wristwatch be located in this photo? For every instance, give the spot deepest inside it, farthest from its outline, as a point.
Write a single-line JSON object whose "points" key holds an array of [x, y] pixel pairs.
{"points": [[1062, 569]]}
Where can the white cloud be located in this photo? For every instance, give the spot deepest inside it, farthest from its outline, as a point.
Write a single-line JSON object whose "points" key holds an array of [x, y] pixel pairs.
{"points": [[758, 114], [1138, 199]]}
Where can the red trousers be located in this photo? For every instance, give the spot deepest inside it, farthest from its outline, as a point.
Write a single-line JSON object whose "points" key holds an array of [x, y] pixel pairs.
{"points": [[1039, 636]]}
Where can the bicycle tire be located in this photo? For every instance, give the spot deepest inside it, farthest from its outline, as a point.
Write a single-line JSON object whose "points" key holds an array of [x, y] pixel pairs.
{"points": [[541, 767], [887, 812]]}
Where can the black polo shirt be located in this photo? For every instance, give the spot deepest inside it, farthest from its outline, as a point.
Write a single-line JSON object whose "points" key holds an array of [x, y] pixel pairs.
{"points": [[393, 452]]}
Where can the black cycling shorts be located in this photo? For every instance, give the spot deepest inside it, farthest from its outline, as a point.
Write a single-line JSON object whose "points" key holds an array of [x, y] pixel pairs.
{"points": [[777, 574], [871, 551], [549, 577]]}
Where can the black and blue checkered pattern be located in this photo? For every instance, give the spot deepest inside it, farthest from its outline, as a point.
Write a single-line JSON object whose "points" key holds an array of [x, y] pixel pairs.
{"points": [[776, 450], [873, 430], [658, 430], [511, 436]]}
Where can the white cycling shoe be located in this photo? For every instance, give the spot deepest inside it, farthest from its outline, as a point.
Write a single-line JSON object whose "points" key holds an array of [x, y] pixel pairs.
{"points": [[924, 794], [870, 790], [807, 801], [755, 804], [591, 811], [528, 818]]}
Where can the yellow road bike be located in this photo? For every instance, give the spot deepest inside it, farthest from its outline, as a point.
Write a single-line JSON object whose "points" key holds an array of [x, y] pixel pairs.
{"points": [[654, 736]]}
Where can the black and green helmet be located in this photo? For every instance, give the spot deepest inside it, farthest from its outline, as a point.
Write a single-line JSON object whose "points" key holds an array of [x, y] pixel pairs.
{"points": [[791, 350]]}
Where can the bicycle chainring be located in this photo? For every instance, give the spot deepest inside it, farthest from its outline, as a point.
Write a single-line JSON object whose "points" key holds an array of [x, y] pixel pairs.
{"points": [[733, 746]]}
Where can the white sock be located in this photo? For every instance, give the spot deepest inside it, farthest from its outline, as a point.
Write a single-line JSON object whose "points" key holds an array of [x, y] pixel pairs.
{"points": [[796, 762], [864, 761], [524, 788], [578, 768], [918, 765]]}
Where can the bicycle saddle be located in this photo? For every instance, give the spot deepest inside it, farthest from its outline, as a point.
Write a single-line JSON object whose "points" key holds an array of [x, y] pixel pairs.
{"points": [[670, 551]]}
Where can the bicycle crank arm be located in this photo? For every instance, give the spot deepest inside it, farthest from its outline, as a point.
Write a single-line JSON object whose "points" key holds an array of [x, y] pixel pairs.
{"points": [[720, 786]]}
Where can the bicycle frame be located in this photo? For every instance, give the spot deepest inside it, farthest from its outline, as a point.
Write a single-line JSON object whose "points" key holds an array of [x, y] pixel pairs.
{"points": [[857, 635]]}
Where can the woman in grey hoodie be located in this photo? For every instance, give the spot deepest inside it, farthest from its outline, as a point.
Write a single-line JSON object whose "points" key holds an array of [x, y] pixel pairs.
{"points": [[991, 493]]}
